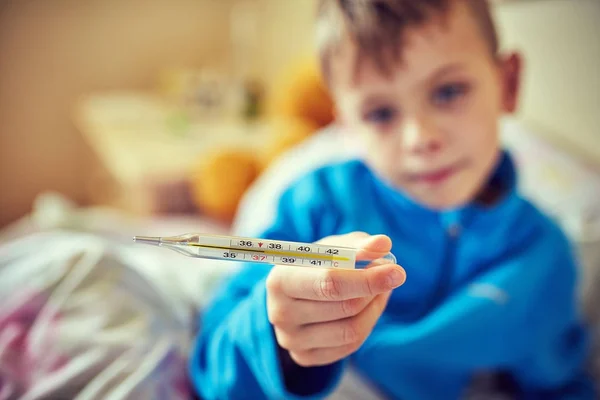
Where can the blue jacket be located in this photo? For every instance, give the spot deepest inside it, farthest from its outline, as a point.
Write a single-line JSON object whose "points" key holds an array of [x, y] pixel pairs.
{"points": [[487, 289]]}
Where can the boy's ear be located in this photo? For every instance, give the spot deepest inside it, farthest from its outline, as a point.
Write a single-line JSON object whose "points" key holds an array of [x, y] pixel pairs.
{"points": [[512, 65]]}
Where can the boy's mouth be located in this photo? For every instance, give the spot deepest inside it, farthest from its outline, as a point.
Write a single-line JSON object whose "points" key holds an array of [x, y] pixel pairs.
{"points": [[434, 177]]}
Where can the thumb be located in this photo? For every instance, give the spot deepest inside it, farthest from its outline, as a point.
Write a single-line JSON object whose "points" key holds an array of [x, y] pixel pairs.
{"points": [[352, 239], [360, 240], [371, 249], [375, 248], [375, 243]]}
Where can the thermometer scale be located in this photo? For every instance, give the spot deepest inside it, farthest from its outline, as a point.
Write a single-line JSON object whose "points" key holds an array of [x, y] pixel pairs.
{"points": [[232, 248]]}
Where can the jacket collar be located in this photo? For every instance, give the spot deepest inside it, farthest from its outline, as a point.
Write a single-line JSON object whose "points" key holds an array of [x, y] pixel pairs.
{"points": [[504, 177]]}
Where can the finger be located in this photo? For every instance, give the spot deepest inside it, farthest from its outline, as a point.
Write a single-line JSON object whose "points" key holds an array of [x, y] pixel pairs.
{"points": [[296, 312], [373, 248], [280, 310], [334, 284], [369, 247], [375, 262], [353, 239], [344, 332], [319, 357]]}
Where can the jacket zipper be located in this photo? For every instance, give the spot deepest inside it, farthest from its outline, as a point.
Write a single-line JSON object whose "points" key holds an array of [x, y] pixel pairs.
{"points": [[449, 261]]}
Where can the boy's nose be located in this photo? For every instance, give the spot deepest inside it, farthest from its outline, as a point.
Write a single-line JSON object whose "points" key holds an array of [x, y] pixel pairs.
{"points": [[418, 136]]}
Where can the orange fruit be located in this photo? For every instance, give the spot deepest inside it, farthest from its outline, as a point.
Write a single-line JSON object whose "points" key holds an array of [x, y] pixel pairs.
{"points": [[302, 94], [221, 179]]}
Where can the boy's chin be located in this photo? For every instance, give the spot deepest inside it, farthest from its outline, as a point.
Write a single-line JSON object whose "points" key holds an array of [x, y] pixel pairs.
{"points": [[441, 204], [446, 199]]}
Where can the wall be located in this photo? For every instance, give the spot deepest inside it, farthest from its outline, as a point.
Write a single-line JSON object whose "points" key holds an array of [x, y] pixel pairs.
{"points": [[286, 36], [54, 50], [561, 43]]}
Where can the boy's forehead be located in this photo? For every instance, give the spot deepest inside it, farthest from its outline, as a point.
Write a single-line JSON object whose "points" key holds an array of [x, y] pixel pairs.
{"points": [[450, 39]]}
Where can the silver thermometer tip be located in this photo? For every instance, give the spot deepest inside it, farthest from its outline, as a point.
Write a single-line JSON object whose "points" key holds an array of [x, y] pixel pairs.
{"points": [[147, 240]]}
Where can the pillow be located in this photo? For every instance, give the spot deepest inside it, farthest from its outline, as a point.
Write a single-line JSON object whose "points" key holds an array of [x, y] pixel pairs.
{"points": [[255, 211]]}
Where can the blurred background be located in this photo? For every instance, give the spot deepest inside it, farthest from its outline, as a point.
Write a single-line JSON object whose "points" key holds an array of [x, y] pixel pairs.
{"points": [[175, 107], [161, 117]]}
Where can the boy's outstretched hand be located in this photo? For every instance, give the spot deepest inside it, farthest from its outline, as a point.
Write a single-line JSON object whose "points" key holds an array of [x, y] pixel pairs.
{"points": [[323, 315]]}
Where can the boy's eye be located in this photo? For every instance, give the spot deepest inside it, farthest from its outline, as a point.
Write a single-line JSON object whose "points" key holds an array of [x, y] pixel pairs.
{"points": [[380, 115], [446, 94]]}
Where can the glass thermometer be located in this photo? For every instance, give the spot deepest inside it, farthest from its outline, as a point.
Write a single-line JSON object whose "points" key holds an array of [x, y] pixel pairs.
{"points": [[232, 248]]}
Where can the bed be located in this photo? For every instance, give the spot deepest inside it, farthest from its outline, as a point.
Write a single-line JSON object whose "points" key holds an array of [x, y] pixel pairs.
{"points": [[89, 315]]}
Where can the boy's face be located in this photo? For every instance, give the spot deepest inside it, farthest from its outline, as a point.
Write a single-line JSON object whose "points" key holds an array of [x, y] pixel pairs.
{"points": [[430, 128]]}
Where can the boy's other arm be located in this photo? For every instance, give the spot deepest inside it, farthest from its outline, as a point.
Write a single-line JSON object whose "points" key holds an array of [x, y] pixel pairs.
{"points": [[557, 339], [523, 317], [236, 354]]}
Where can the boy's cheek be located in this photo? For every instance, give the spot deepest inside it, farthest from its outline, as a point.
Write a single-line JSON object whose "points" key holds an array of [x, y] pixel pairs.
{"points": [[369, 141], [384, 152]]}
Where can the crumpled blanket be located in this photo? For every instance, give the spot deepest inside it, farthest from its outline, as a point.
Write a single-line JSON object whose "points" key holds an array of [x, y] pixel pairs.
{"points": [[78, 320], [87, 318]]}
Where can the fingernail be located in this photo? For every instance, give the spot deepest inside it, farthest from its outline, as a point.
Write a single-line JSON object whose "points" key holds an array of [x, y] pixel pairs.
{"points": [[395, 278]]}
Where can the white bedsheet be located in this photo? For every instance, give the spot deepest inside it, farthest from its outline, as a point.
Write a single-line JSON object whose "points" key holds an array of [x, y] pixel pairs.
{"points": [[78, 320]]}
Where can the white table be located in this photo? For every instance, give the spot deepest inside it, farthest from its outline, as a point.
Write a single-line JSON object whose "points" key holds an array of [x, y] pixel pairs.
{"points": [[142, 139]]}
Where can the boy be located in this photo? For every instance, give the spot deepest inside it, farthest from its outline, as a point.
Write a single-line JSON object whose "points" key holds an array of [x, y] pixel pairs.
{"points": [[490, 282]]}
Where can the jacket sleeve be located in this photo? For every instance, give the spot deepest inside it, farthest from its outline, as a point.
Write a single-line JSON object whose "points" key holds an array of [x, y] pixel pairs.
{"points": [[236, 355], [523, 316], [557, 338]]}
